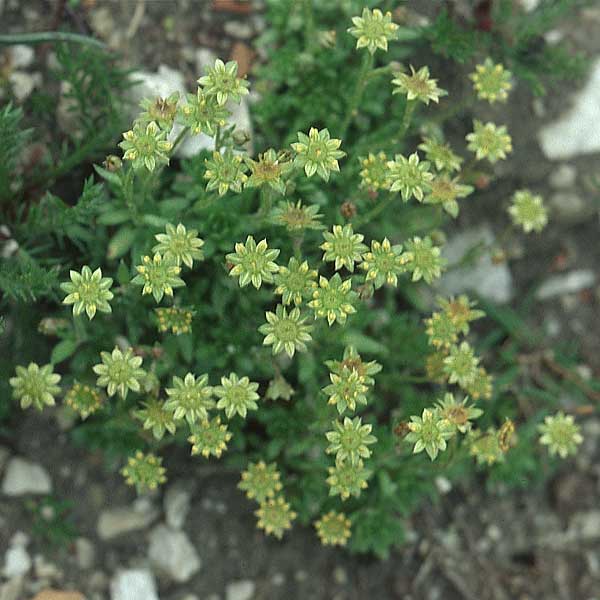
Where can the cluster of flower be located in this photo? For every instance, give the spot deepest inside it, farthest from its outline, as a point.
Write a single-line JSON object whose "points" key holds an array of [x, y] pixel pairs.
{"points": [[456, 364], [437, 180]]}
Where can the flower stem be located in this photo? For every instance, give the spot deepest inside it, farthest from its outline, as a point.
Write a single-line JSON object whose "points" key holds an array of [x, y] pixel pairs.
{"points": [[179, 139], [309, 24], [41, 37], [375, 211], [218, 139], [297, 245], [407, 118], [266, 201], [363, 76]]}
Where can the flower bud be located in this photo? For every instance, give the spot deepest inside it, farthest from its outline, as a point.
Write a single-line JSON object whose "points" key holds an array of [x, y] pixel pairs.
{"points": [[112, 163]]}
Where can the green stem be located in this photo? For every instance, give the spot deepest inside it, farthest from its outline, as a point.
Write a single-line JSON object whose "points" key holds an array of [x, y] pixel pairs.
{"points": [[363, 76], [266, 201], [379, 71], [408, 114], [297, 245], [76, 157], [49, 36], [309, 24], [79, 327], [179, 139], [374, 212], [218, 140], [467, 169]]}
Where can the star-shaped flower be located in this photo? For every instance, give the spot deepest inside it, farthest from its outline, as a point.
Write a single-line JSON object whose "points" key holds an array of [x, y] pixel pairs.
{"points": [[317, 153], [373, 30], [418, 86]]}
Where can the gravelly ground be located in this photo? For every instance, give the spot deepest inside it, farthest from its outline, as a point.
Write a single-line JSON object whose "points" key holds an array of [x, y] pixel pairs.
{"points": [[473, 544]]}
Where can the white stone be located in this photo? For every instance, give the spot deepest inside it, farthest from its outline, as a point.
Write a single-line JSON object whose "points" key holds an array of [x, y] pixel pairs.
{"points": [[12, 590], [569, 207], [19, 539], [529, 5], [554, 36], [567, 283], [172, 554], [240, 590], [21, 56], [577, 131], [177, 505], [165, 82], [102, 22], [564, 176], [585, 525], [133, 584], [443, 484], [205, 57], [23, 83], [85, 553], [117, 521], [16, 562], [45, 569], [238, 29], [489, 280], [25, 477]]}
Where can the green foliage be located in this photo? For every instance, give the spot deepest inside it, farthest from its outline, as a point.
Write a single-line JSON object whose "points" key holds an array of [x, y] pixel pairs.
{"points": [[14, 138], [514, 38], [51, 521], [283, 383]]}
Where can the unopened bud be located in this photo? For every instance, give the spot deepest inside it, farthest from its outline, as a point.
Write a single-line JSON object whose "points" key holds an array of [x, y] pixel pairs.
{"points": [[112, 163], [348, 210]]}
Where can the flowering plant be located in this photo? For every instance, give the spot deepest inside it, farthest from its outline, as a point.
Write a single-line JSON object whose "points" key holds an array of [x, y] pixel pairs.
{"points": [[330, 379]]}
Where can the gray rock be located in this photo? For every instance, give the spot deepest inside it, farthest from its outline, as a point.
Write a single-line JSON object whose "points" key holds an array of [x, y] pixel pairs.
{"points": [[117, 521], [238, 29], [443, 485], [585, 526], [23, 83], [177, 505], [45, 569], [566, 283], [172, 554], [21, 56], [17, 561], [102, 22], [4, 454], [340, 576], [165, 82], [85, 553], [204, 57], [133, 584], [12, 589], [529, 5], [240, 590], [564, 176], [25, 477], [491, 281], [569, 207], [577, 131]]}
